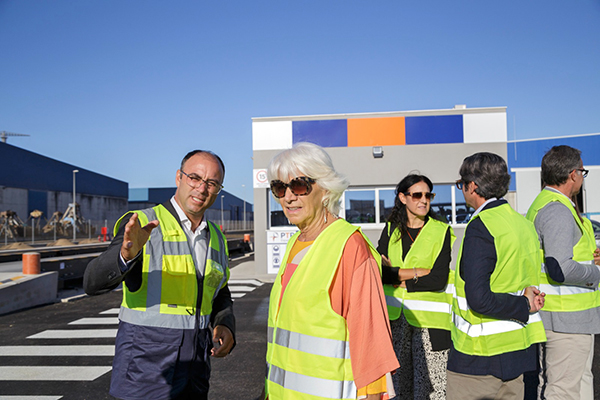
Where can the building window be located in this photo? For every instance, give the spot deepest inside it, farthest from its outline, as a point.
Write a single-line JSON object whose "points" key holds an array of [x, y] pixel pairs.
{"points": [[276, 216], [374, 206], [359, 206], [387, 199]]}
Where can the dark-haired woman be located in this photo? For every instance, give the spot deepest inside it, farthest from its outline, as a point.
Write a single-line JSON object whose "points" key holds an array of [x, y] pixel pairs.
{"points": [[417, 250]]}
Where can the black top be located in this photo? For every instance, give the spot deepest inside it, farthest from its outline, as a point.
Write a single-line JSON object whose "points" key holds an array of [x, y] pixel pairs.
{"points": [[477, 264], [436, 280], [107, 271]]}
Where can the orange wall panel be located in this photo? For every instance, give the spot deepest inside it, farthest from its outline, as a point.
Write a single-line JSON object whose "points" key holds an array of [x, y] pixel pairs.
{"points": [[376, 132]]}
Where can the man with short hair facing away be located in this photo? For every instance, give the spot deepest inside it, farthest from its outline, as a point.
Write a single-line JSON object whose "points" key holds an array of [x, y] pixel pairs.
{"points": [[174, 267], [570, 279], [496, 302]]}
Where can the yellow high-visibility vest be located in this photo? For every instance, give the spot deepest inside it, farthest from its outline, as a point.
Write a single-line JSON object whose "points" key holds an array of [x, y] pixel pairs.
{"points": [[308, 355], [168, 295], [517, 267], [561, 297], [421, 309]]}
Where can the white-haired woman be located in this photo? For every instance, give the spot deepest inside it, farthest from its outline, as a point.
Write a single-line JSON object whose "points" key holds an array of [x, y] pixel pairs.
{"points": [[329, 334]]}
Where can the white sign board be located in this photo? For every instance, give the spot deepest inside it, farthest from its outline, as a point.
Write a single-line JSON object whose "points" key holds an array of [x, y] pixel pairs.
{"points": [[276, 245], [260, 179]]}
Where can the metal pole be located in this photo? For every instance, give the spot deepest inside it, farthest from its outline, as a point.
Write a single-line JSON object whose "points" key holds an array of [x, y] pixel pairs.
{"points": [[244, 199], [55, 231], [74, 208], [89, 228], [222, 225], [32, 230]]}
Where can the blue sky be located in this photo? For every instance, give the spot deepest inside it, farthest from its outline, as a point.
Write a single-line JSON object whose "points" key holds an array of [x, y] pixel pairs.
{"points": [[126, 88]]}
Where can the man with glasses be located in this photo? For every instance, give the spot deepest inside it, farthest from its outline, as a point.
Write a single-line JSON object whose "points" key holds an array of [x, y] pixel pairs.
{"points": [[495, 319], [174, 266], [569, 277]]}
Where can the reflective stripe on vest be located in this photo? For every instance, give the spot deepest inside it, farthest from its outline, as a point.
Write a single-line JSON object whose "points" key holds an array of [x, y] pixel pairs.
{"points": [[517, 266], [423, 305], [423, 309], [563, 297], [312, 344], [310, 385], [168, 261], [307, 349], [492, 327]]}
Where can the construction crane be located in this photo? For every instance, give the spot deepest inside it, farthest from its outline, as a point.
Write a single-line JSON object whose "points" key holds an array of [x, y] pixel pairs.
{"points": [[4, 135]]}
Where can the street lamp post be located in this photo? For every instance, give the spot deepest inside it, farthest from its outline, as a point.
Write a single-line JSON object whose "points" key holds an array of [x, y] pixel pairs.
{"points": [[222, 225], [74, 208], [244, 187]]}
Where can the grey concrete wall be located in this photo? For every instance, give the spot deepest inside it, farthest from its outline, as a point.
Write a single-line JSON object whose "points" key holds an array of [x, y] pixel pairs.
{"points": [[440, 162], [261, 201], [96, 208], [14, 200]]}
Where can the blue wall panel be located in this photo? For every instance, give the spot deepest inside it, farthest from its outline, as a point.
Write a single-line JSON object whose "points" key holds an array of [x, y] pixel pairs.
{"points": [[529, 154], [327, 133], [430, 130], [37, 200]]}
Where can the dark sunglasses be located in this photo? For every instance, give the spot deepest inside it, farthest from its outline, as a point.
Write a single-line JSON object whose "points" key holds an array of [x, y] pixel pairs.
{"points": [[459, 184], [419, 195], [300, 186]]}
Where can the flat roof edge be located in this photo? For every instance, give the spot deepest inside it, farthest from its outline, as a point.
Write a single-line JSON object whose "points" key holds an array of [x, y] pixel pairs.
{"points": [[552, 137], [415, 113]]}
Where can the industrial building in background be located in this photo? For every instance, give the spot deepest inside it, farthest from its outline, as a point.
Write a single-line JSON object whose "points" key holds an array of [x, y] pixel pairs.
{"points": [[376, 150], [53, 196], [37, 194]]}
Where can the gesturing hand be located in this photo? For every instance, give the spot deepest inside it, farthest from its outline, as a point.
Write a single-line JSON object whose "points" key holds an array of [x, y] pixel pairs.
{"points": [[222, 341], [135, 237]]}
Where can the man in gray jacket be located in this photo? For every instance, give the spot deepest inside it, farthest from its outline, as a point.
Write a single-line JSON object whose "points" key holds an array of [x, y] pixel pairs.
{"points": [[569, 278]]}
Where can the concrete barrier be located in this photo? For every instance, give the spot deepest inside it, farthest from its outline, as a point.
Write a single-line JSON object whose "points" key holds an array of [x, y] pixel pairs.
{"points": [[28, 291]]}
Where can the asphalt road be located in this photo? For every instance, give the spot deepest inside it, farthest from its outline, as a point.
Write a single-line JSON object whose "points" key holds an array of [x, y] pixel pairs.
{"points": [[77, 368], [85, 372]]}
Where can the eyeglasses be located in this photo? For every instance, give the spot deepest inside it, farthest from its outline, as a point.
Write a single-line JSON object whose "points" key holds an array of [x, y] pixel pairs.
{"points": [[194, 181], [460, 183], [300, 186], [419, 195], [584, 172]]}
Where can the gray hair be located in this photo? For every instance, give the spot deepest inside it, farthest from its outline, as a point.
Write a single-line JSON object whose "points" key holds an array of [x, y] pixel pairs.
{"points": [[558, 163], [312, 161]]}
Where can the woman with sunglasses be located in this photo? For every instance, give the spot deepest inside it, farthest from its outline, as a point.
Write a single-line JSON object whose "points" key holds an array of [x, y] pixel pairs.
{"points": [[416, 252], [328, 329]]}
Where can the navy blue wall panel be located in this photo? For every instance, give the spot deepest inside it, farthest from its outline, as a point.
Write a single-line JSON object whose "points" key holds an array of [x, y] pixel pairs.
{"points": [[430, 130], [160, 195], [529, 154], [37, 200], [21, 168], [327, 133]]}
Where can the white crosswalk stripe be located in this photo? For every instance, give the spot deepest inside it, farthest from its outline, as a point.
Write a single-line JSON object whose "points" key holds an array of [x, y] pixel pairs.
{"points": [[240, 287], [96, 321], [62, 373], [95, 327], [30, 397], [80, 351]]}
